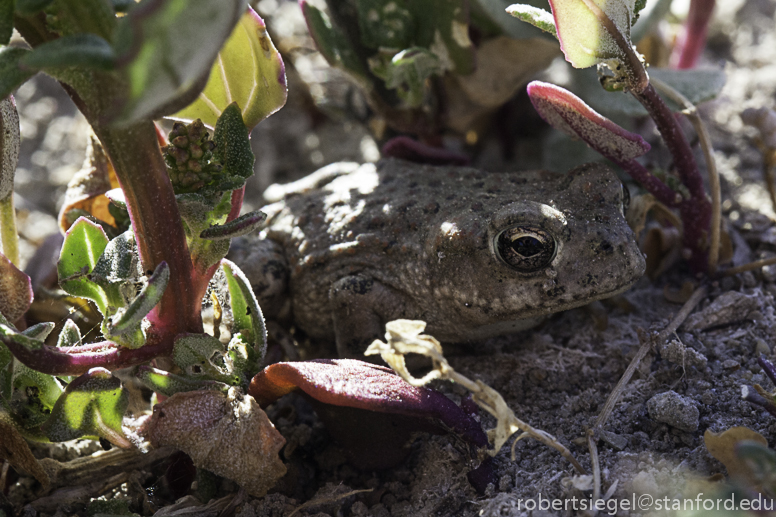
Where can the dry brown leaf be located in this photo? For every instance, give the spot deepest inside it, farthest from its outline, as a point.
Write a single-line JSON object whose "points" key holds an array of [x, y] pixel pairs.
{"points": [[227, 434], [86, 191], [723, 447], [14, 449]]}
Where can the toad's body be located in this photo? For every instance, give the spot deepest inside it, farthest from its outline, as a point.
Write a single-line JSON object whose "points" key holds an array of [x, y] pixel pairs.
{"points": [[474, 254]]}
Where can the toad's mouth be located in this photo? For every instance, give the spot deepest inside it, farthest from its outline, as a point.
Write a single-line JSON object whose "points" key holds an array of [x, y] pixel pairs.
{"points": [[539, 313]]}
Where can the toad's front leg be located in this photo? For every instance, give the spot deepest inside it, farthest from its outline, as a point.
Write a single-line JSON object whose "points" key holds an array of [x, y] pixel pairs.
{"points": [[361, 306]]}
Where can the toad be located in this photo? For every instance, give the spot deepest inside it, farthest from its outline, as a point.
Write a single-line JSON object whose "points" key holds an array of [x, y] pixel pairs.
{"points": [[474, 254]]}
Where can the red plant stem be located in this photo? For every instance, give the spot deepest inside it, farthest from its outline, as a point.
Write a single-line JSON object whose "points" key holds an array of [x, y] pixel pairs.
{"points": [[646, 179], [78, 360], [141, 171], [692, 42], [696, 211]]}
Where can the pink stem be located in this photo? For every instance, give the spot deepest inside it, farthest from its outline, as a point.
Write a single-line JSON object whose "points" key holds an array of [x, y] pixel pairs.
{"points": [[692, 42]]}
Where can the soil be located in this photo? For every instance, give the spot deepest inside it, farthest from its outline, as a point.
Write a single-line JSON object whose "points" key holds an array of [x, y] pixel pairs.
{"points": [[555, 377]]}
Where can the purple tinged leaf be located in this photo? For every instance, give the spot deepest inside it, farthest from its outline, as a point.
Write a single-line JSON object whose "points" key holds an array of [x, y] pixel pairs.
{"points": [[410, 149], [568, 113], [15, 290], [249, 71], [341, 389]]}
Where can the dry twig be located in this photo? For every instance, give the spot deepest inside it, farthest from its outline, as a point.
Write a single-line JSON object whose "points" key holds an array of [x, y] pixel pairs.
{"points": [[404, 337], [648, 342]]}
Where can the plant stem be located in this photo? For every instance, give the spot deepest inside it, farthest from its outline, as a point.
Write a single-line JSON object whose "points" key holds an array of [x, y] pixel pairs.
{"points": [[693, 40], [9, 239], [696, 211], [691, 112], [137, 159]]}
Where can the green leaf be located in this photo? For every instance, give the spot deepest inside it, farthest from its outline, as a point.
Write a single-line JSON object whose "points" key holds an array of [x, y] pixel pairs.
{"points": [[203, 356], [70, 335], [334, 45], [93, 404], [583, 38], [233, 145], [539, 18], [81, 50], [407, 72], [30, 7], [248, 319], [11, 75], [40, 330], [385, 24], [117, 269], [243, 225], [168, 384], [167, 52], [33, 396], [83, 246], [446, 33], [6, 21], [147, 299], [248, 71]]}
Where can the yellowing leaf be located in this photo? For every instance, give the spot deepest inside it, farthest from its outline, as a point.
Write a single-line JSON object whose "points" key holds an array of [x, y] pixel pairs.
{"points": [[249, 71], [583, 37], [723, 447]]}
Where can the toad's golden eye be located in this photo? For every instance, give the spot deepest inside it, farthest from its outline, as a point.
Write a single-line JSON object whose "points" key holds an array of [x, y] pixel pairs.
{"points": [[525, 248]]}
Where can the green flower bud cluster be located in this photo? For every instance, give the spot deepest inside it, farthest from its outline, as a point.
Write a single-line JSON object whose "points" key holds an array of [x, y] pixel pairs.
{"points": [[189, 157]]}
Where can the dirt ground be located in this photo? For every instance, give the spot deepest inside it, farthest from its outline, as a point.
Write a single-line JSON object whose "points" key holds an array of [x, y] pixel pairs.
{"points": [[556, 376]]}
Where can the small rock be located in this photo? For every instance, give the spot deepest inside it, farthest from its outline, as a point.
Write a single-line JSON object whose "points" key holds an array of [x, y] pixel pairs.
{"points": [[674, 410], [729, 307], [731, 364], [762, 347]]}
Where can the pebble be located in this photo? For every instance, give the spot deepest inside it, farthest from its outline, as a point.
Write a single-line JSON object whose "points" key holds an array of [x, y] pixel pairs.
{"points": [[675, 410]]}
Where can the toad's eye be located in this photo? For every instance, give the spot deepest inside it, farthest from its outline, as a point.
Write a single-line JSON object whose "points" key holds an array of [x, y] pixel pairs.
{"points": [[526, 249]]}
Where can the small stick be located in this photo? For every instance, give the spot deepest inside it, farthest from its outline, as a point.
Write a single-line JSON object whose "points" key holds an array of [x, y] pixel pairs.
{"points": [[750, 266], [647, 342], [691, 112]]}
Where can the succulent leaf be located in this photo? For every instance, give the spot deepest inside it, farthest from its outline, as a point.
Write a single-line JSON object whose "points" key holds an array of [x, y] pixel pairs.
{"points": [[248, 319], [165, 54], [148, 297], [243, 225], [537, 17], [80, 50], [11, 74], [203, 356], [93, 404], [568, 113], [168, 384], [40, 330], [70, 335], [249, 71], [84, 243]]}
